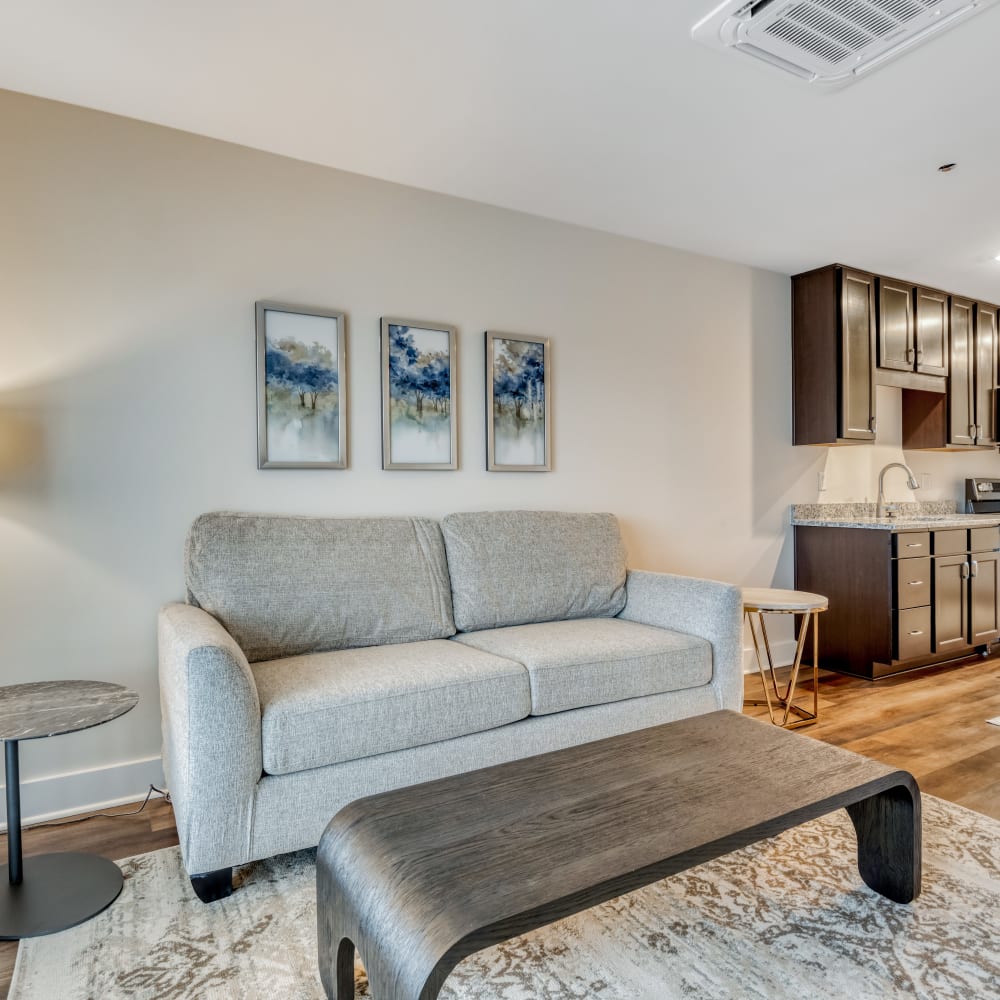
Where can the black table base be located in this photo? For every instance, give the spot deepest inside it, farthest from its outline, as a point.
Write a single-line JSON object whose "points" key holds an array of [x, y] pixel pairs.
{"points": [[49, 892], [57, 891]]}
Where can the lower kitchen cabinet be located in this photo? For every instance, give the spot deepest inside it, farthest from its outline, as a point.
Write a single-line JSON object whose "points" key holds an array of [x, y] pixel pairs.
{"points": [[984, 594], [900, 600], [951, 603]]}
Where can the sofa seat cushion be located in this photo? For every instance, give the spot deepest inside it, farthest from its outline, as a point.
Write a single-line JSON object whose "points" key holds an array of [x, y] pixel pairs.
{"points": [[593, 661], [327, 708]]}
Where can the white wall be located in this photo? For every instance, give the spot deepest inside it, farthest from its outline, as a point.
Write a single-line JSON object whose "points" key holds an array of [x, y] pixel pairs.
{"points": [[130, 259], [850, 473]]}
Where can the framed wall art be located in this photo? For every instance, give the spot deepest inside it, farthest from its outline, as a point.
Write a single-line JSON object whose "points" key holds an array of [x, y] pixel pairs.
{"points": [[301, 388], [518, 404], [419, 398]]}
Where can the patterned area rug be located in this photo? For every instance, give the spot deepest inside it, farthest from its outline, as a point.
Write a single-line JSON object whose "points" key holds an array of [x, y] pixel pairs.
{"points": [[786, 918]]}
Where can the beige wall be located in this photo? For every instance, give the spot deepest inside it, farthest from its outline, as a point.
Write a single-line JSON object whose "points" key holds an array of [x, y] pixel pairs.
{"points": [[131, 257]]}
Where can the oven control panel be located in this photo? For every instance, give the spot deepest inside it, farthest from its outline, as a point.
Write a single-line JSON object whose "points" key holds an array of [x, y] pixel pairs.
{"points": [[980, 490]]}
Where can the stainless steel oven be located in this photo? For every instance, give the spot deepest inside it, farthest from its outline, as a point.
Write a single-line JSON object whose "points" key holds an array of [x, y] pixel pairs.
{"points": [[982, 496]]}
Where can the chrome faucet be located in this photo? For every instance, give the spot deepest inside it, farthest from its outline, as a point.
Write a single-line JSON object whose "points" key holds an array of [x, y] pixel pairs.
{"points": [[911, 482]]}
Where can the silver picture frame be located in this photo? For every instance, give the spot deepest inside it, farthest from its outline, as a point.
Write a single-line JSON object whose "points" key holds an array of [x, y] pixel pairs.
{"points": [[419, 395], [302, 380], [518, 421]]}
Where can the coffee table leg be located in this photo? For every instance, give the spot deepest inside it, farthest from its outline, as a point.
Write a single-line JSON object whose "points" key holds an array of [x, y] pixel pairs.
{"points": [[345, 970], [889, 842]]}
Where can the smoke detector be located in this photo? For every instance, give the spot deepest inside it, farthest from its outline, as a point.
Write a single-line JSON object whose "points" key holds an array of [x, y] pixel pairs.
{"points": [[829, 41]]}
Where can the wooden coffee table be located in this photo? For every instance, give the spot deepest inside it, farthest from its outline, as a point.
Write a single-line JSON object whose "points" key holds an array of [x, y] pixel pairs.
{"points": [[420, 877]]}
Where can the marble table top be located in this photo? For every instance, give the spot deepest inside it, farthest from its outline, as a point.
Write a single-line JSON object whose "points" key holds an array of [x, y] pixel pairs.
{"points": [[50, 708]]}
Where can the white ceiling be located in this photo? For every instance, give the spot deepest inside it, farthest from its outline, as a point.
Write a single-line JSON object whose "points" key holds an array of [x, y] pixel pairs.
{"points": [[598, 112]]}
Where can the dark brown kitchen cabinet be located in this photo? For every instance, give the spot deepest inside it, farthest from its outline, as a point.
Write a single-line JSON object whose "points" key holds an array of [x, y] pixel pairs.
{"points": [[931, 328], [912, 326], [986, 372], [852, 330], [964, 417], [896, 347], [833, 356], [951, 603], [963, 387], [901, 600], [984, 592]]}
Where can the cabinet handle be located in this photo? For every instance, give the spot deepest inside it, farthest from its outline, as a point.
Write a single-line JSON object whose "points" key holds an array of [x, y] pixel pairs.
{"points": [[975, 568], [873, 424], [916, 631], [909, 354], [972, 431], [914, 545], [919, 583], [965, 571]]}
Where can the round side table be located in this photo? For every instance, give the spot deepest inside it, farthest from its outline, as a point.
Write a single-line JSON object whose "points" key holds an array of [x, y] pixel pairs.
{"points": [[51, 892], [760, 601]]}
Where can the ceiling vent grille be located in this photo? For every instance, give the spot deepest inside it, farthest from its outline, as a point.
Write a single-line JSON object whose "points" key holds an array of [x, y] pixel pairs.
{"points": [[829, 41]]}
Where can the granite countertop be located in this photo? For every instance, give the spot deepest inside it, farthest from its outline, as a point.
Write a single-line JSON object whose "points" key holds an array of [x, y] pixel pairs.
{"points": [[909, 516]]}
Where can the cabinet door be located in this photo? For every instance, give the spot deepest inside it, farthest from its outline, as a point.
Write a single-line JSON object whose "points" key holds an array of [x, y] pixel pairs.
{"points": [[857, 362], [983, 596], [961, 381], [895, 325], [932, 331], [951, 609], [986, 372]]}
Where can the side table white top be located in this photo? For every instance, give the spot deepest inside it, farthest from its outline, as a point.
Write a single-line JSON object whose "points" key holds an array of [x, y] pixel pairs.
{"points": [[767, 599]]}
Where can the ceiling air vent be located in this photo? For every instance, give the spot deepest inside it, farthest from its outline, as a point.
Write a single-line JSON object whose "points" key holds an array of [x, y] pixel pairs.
{"points": [[829, 41]]}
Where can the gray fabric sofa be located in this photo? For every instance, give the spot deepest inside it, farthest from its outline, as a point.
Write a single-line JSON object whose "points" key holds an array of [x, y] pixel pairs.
{"points": [[318, 660]]}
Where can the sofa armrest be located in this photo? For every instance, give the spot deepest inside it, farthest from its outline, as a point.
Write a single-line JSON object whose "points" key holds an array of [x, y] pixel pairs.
{"points": [[705, 608], [211, 737]]}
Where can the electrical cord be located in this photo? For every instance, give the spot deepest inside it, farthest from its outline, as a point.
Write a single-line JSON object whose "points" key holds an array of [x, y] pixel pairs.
{"points": [[165, 795]]}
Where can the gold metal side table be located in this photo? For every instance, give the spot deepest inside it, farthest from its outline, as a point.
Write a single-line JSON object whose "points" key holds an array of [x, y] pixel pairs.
{"points": [[760, 601]]}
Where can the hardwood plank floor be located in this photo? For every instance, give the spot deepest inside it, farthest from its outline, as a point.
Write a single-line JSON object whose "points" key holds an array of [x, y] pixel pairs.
{"points": [[931, 723]]}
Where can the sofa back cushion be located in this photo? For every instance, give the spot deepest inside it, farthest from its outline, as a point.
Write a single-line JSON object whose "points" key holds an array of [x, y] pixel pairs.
{"points": [[283, 586], [521, 566]]}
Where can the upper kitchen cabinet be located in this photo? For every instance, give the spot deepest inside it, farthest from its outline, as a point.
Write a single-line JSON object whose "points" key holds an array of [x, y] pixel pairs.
{"points": [[965, 417], [852, 330], [931, 327], [986, 373], [962, 386], [833, 356], [972, 385], [912, 326], [896, 349]]}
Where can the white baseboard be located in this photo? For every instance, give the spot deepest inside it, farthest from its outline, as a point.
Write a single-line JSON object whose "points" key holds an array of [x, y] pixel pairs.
{"points": [[56, 795], [783, 650]]}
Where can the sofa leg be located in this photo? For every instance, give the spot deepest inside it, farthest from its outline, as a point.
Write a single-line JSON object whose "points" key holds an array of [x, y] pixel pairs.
{"points": [[211, 886]]}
